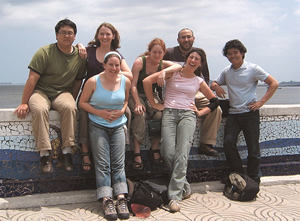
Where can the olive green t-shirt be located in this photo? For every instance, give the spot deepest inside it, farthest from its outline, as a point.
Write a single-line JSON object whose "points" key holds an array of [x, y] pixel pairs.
{"points": [[57, 70]]}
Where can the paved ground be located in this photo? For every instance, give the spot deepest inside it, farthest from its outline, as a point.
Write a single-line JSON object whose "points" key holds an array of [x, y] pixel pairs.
{"points": [[278, 199]]}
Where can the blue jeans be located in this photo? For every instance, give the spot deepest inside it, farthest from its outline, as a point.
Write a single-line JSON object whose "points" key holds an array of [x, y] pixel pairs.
{"points": [[178, 127], [249, 124], [108, 146]]}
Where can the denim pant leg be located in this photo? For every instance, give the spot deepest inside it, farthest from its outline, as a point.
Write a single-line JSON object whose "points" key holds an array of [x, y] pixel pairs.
{"points": [[100, 145], [117, 159], [232, 130], [177, 131], [108, 146], [168, 133], [250, 126]]}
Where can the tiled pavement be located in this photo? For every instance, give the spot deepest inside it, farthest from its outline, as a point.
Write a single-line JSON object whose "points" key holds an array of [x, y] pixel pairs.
{"points": [[278, 199]]}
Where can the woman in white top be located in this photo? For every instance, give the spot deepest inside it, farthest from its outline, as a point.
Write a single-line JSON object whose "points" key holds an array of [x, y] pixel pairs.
{"points": [[179, 120]]}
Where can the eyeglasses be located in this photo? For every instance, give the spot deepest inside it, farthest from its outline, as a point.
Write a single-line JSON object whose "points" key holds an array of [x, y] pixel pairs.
{"points": [[63, 33]]}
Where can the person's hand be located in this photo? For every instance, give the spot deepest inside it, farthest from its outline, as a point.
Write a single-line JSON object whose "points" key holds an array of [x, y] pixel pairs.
{"points": [[111, 115], [139, 109], [220, 92], [82, 51], [195, 109], [114, 115], [159, 107], [255, 105], [161, 78], [22, 110], [105, 114]]}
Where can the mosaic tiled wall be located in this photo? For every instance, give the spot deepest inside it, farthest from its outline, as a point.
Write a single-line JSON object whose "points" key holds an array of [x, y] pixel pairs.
{"points": [[19, 162]]}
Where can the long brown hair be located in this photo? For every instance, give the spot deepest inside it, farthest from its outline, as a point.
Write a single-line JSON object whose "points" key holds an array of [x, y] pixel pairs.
{"points": [[114, 43]]}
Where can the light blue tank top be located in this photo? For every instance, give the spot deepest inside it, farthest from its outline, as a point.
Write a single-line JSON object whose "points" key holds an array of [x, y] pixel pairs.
{"points": [[105, 99]]}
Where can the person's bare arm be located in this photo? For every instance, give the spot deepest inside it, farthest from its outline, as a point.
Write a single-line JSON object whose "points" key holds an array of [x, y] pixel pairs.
{"points": [[23, 109], [218, 89], [136, 68], [209, 94], [147, 83], [82, 51], [273, 85], [84, 102], [167, 68], [125, 70]]}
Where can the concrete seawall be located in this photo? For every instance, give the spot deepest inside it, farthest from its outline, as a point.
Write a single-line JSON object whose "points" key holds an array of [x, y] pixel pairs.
{"points": [[19, 161]]}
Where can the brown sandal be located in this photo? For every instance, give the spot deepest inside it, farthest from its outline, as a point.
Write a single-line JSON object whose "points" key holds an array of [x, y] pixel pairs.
{"points": [[86, 154], [137, 165], [159, 161]]}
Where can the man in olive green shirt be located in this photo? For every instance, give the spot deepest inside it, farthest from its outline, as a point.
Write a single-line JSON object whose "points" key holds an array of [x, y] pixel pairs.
{"points": [[55, 76]]}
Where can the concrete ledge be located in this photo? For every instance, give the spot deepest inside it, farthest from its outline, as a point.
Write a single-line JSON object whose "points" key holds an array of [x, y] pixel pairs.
{"points": [[266, 110], [86, 196], [7, 115], [48, 199], [279, 180], [279, 110], [19, 162]]}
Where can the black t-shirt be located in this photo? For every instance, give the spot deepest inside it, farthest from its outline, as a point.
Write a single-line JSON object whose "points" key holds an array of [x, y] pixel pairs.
{"points": [[174, 54]]}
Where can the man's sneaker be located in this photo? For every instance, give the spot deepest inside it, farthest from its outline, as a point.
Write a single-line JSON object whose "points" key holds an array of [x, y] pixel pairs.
{"points": [[238, 181], [122, 209], [174, 206], [207, 150], [187, 195], [109, 210], [46, 164], [67, 162]]}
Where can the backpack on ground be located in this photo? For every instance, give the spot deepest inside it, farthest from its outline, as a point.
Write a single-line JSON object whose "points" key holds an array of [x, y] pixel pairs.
{"points": [[151, 193], [240, 187]]}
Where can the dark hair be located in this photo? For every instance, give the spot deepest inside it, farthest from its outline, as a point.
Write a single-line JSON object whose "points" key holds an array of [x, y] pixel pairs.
{"points": [[198, 51], [185, 29], [112, 54], [114, 43], [235, 43], [65, 22]]}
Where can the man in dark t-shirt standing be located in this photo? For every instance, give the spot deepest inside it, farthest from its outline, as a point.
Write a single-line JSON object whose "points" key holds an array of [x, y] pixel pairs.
{"points": [[211, 122]]}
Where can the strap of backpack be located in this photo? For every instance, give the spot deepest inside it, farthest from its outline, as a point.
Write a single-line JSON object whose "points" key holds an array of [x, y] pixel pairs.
{"points": [[130, 189]]}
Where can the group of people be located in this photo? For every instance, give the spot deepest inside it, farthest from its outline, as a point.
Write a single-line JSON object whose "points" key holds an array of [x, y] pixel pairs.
{"points": [[171, 85]]}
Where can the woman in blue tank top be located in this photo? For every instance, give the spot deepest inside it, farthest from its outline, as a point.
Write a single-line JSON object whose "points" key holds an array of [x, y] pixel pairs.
{"points": [[105, 98], [106, 39]]}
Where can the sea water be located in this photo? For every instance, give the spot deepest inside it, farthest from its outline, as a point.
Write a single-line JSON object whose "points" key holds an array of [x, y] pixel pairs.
{"points": [[11, 95]]}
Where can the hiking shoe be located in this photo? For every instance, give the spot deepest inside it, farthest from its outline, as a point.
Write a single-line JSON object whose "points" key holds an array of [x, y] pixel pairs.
{"points": [[122, 209], [238, 181], [207, 150], [109, 210], [46, 164], [67, 162], [174, 206], [187, 195]]}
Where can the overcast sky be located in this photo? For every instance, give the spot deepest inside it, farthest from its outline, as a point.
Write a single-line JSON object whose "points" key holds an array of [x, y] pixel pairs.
{"points": [[270, 29]]}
